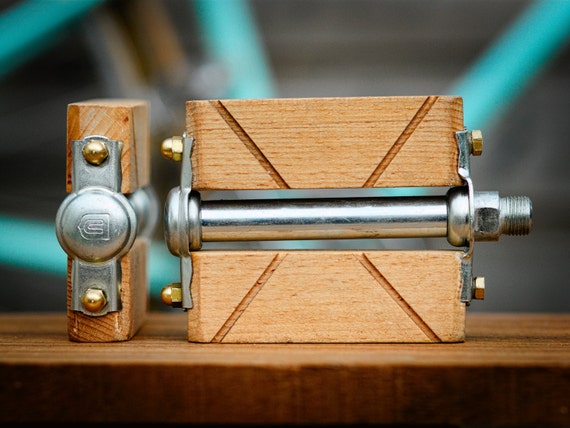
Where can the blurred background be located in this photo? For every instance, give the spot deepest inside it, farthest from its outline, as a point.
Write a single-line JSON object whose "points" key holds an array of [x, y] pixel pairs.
{"points": [[509, 60]]}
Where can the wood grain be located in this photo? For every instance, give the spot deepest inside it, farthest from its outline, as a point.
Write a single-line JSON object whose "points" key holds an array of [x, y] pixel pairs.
{"points": [[326, 296], [512, 370], [117, 119], [124, 324], [303, 143], [127, 121]]}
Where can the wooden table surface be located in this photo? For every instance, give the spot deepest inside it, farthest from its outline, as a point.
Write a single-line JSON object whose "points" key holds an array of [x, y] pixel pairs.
{"points": [[512, 369]]}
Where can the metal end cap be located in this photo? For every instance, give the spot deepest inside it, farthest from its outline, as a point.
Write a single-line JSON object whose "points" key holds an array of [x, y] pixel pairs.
{"points": [[96, 224], [172, 148], [95, 152], [171, 295], [93, 300]]}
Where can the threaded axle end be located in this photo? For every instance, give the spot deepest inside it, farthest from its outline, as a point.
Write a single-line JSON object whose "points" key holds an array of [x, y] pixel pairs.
{"points": [[516, 215]]}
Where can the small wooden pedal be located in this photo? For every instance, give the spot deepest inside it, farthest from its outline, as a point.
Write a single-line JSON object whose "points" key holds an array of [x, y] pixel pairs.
{"points": [[106, 221], [334, 296]]}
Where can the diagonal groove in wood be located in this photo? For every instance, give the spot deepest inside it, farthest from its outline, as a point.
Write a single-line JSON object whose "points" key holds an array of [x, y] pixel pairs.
{"points": [[248, 298], [397, 297], [400, 141], [249, 143]]}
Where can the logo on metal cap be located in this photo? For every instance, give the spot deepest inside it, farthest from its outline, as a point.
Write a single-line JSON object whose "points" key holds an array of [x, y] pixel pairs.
{"points": [[94, 227]]}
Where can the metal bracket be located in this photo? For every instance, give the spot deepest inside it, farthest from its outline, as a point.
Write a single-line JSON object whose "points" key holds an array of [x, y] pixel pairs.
{"points": [[178, 212], [96, 225], [465, 146]]}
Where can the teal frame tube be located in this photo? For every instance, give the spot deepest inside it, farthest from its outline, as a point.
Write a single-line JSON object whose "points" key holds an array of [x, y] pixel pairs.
{"points": [[514, 60], [232, 39], [30, 26], [33, 245]]}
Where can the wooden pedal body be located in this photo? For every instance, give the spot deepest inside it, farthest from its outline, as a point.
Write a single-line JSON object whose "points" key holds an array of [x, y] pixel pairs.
{"points": [[125, 121], [336, 296], [318, 143], [312, 296]]}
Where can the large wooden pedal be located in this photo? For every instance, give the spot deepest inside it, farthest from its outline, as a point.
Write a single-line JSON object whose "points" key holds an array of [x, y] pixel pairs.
{"points": [[106, 221], [334, 296]]}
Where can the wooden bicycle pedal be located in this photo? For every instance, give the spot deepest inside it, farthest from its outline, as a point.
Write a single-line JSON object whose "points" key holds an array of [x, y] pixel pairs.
{"points": [[349, 296], [281, 148], [106, 221]]}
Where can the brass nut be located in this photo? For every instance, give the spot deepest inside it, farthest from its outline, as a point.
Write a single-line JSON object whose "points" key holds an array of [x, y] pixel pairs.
{"points": [[95, 152], [172, 148], [93, 300], [171, 295], [479, 288], [476, 143]]}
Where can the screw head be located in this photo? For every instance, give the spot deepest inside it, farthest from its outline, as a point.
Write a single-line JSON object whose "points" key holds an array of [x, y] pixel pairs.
{"points": [[476, 143], [95, 152], [93, 300], [172, 148], [479, 288], [171, 295]]}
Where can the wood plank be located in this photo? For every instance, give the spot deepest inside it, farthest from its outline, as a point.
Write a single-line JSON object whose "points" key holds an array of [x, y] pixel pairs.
{"points": [[326, 296], [125, 120], [117, 119], [512, 369], [325, 142], [123, 324]]}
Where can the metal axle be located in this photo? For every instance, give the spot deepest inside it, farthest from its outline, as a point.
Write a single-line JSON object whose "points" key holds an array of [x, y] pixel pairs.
{"points": [[346, 218]]}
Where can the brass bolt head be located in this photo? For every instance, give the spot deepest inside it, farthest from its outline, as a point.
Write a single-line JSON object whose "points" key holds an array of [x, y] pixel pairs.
{"points": [[95, 152], [476, 143], [171, 295], [172, 148], [479, 288], [93, 300]]}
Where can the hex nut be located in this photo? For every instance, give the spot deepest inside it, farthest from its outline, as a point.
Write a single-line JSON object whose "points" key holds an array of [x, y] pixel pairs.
{"points": [[495, 216], [479, 289], [487, 221], [476, 142]]}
